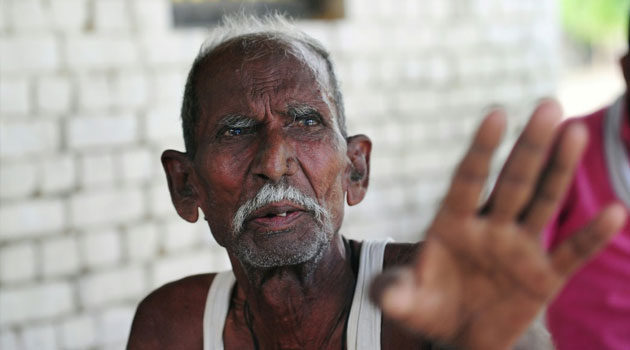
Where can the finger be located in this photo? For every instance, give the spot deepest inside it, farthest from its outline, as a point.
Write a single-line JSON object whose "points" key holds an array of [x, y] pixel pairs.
{"points": [[556, 178], [409, 304], [587, 241], [471, 173], [518, 177]]}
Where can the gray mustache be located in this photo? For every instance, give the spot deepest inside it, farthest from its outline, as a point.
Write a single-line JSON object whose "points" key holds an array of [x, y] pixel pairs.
{"points": [[272, 193]]}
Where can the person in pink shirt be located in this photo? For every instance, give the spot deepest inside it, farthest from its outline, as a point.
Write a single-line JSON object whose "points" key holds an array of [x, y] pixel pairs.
{"points": [[592, 312]]}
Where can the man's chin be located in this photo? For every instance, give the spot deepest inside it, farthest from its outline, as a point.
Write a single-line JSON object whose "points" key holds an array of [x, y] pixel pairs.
{"points": [[284, 248]]}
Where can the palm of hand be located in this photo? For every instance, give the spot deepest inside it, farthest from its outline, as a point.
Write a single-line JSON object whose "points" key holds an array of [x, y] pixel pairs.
{"points": [[482, 276]]}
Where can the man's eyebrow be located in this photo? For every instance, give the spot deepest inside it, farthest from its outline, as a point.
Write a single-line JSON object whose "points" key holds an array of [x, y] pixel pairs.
{"points": [[299, 109], [237, 121]]}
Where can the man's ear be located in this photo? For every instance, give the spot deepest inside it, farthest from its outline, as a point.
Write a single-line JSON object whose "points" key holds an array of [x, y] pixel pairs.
{"points": [[358, 176], [180, 176]]}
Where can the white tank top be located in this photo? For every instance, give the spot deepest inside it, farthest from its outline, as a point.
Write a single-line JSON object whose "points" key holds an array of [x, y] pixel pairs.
{"points": [[616, 152], [364, 322]]}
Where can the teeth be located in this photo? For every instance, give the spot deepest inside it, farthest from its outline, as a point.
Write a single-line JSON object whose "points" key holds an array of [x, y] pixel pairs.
{"points": [[282, 214]]}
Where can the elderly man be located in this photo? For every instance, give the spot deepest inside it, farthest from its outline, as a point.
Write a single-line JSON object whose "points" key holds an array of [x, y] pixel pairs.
{"points": [[270, 164]]}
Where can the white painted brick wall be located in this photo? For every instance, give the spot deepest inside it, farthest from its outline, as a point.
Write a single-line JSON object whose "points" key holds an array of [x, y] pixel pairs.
{"points": [[54, 94], [129, 90], [15, 96], [181, 235], [180, 265], [97, 169], [29, 53], [24, 138], [69, 15], [43, 216], [60, 256], [151, 16], [78, 333], [101, 248], [100, 288], [111, 16], [8, 340], [100, 51], [40, 302], [40, 337], [142, 242], [114, 325], [137, 165], [90, 94], [102, 131], [17, 180], [110, 205], [28, 16], [58, 174], [17, 263]]}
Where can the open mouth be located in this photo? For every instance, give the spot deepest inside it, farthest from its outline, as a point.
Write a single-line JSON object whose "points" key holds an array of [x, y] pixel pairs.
{"points": [[276, 216]]}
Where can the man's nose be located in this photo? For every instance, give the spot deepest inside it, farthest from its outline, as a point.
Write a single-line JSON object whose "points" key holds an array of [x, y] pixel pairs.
{"points": [[276, 157]]}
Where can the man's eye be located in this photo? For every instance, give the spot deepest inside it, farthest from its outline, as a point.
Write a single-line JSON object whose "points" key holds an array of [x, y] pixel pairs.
{"points": [[235, 131], [308, 121]]}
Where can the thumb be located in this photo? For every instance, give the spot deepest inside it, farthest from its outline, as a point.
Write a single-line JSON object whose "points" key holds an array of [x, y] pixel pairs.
{"points": [[393, 291]]}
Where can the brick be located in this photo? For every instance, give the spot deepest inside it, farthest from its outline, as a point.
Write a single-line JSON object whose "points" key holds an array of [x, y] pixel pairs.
{"points": [[129, 90], [138, 164], [101, 248], [163, 123], [40, 337], [97, 170], [94, 92], [171, 49], [14, 96], [78, 332], [114, 326], [68, 15], [111, 16], [142, 242], [168, 88], [102, 131], [58, 174], [100, 52], [23, 138], [17, 179], [175, 267], [60, 256], [17, 263], [160, 203], [29, 53], [360, 38], [54, 94], [151, 16], [44, 216], [33, 303], [181, 235], [8, 340], [99, 289], [106, 206], [28, 16], [413, 102]]}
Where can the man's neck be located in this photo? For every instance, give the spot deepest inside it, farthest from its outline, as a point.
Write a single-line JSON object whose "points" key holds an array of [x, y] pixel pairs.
{"points": [[301, 306]]}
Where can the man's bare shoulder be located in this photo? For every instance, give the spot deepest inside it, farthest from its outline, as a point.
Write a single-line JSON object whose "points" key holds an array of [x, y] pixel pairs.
{"points": [[172, 315], [400, 253]]}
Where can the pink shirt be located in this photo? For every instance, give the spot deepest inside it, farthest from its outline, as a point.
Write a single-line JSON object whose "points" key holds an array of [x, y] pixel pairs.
{"points": [[592, 312]]}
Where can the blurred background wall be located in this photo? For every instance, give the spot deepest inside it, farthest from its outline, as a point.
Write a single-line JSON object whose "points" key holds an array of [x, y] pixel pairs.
{"points": [[89, 98]]}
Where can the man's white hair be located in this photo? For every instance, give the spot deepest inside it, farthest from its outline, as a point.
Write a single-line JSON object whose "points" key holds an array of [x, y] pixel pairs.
{"points": [[251, 31]]}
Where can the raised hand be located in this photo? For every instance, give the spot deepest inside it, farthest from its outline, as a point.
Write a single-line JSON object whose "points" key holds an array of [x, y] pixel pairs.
{"points": [[482, 275]]}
